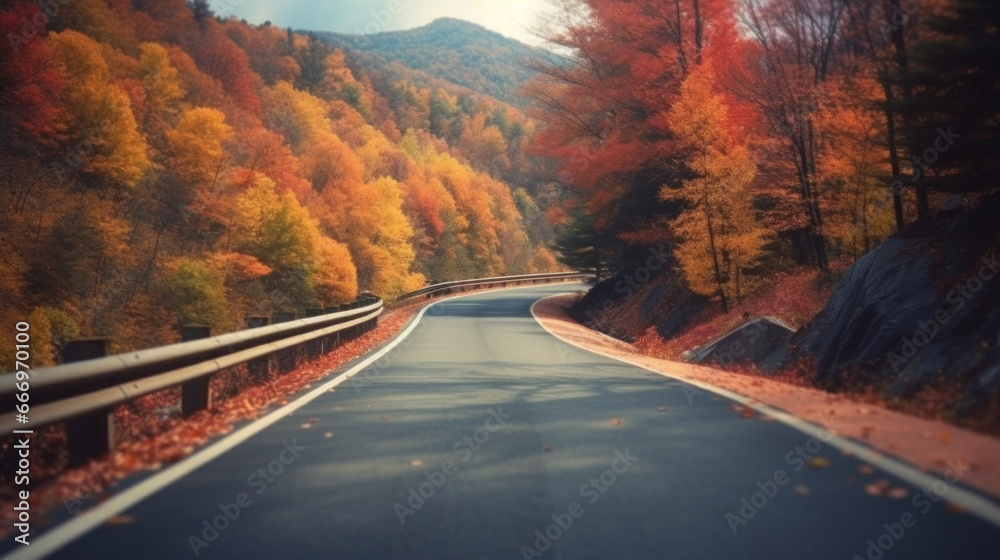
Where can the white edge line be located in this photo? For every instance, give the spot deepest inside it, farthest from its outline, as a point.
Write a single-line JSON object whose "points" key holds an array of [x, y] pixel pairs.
{"points": [[73, 529], [971, 501]]}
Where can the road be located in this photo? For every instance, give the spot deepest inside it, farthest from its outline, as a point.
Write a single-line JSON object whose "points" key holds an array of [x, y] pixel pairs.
{"points": [[503, 428]]}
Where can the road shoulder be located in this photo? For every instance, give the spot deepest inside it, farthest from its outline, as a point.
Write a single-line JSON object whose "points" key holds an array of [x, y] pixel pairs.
{"points": [[925, 445]]}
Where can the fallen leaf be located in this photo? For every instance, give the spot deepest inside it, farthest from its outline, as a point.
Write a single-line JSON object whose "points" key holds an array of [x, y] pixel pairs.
{"points": [[305, 425], [383, 417], [661, 408], [616, 422], [952, 507], [818, 463], [416, 462], [800, 489], [547, 448], [874, 489], [313, 420], [866, 469], [119, 520], [328, 435], [897, 492]]}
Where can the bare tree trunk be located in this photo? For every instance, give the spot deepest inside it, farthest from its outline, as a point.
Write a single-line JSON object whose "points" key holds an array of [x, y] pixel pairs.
{"points": [[715, 256]]}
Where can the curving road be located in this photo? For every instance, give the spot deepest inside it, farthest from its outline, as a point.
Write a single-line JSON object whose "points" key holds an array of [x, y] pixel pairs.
{"points": [[480, 429]]}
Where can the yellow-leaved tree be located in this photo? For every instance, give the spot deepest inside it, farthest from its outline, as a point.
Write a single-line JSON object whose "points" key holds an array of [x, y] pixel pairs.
{"points": [[102, 133], [197, 146], [719, 237], [305, 266]]}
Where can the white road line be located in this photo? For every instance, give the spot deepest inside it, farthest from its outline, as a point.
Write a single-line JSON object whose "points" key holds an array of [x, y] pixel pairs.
{"points": [[974, 503], [71, 530]]}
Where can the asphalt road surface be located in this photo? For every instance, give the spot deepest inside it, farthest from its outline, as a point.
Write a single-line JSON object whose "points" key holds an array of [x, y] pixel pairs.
{"points": [[516, 446]]}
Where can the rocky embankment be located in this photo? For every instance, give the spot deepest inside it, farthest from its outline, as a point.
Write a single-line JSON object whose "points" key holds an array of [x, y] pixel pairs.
{"points": [[922, 310]]}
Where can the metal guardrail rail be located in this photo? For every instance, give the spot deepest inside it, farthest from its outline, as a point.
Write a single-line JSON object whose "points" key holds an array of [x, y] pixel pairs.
{"points": [[447, 287], [83, 394]]}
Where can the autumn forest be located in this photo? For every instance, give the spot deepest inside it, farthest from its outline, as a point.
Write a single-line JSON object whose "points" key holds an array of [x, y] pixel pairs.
{"points": [[163, 166]]}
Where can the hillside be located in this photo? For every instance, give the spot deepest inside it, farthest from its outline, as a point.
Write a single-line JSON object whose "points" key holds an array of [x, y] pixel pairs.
{"points": [[458, 51], [167, 167]]}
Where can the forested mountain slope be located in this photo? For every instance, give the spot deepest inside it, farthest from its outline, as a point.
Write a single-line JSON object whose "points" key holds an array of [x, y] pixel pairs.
{"points": [[162, 166]]}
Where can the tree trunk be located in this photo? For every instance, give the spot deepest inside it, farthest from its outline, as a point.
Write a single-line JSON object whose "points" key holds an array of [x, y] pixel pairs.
{"points": [[715, 257], [897, 182]]}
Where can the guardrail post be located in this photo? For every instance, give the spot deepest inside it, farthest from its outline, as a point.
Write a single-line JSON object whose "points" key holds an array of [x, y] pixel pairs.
{"points": [[283, 317], [315, 348], [91, 435], [259, 369], [196, 394]]}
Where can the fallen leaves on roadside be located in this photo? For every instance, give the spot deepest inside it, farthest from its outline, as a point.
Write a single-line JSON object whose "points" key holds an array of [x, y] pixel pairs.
{"points": [[328, 435], [745, 411], [616, 421], [416, 462], [801, 489], [866, 469], [952, 507]]}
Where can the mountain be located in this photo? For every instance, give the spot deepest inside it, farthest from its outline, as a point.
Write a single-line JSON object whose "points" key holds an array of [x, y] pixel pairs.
{"points": [[458, 51]]}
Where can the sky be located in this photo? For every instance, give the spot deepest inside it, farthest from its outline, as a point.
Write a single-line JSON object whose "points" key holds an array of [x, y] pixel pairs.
{"points": [[512, 18]]}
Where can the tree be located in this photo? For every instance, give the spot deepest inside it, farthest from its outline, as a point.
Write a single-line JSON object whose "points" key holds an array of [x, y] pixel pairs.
{"points": [[279, 232], [797, 40], [29, 81], [163, 90], [953, 76], [102, 129], [719, 238], [197, 146]]}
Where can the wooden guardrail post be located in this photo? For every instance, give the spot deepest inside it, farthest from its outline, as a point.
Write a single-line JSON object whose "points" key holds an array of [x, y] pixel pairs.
{"points": [[91, 435], [255, 322], [259, 369], [283, 317], [315, 348], [196, 394]]}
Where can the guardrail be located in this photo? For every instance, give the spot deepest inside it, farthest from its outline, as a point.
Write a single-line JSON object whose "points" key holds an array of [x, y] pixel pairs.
{"points": [[460, 285], [83, 394]]}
